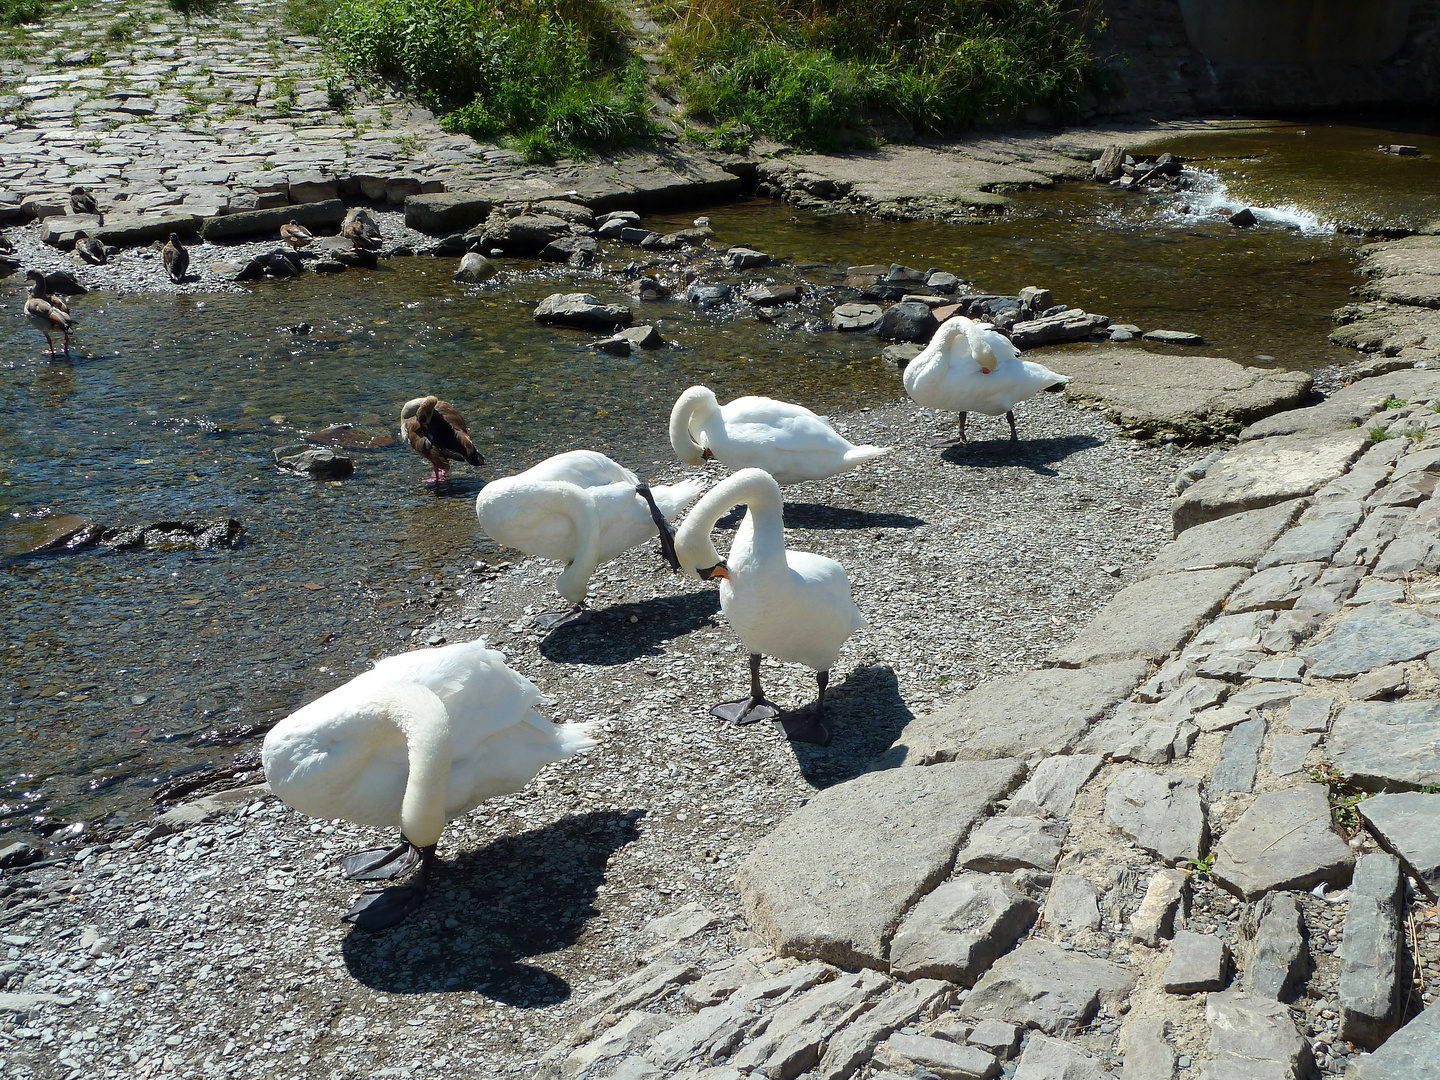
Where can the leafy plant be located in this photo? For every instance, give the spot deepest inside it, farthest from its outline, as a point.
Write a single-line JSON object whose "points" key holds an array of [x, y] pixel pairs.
{"points": [[1393, 402], [1380, 434], [1344, 797], [1201, 866], [19, 12]]}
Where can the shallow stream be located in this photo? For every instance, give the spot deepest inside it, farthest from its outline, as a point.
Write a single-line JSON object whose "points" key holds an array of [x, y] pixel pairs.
{"points": [[125, 670]]}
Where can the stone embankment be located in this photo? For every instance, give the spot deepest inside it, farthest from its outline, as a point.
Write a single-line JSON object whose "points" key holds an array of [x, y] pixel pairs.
{"points": [[1205, 838]]}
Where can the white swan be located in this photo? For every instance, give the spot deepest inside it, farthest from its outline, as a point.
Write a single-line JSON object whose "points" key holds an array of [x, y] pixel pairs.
{"points": [[970, 367], [583, 509], [788, 441], [416, 741], [791, 605]]}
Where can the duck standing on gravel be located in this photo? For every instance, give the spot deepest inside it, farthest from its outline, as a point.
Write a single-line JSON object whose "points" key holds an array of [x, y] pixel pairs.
{"points": [[970, 367], [6, 247], [175, 258], [90, 249], [296, 235], [417, 741], [583, 509], [82, 202], [436, 431], [47, 314], [791, 605], [360, 229], [788, 441]]}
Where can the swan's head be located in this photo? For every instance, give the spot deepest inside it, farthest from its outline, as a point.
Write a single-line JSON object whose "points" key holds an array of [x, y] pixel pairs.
{"points": [[692, 408], [710, 573], [989, 347]]}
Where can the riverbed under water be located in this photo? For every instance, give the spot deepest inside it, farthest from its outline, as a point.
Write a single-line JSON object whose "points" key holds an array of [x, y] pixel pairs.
{"points": [[124, 670]]}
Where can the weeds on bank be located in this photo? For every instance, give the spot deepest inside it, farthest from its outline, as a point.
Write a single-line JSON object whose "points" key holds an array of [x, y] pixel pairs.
{"points": [[821, 73], [1344, 797], [19, 12]]}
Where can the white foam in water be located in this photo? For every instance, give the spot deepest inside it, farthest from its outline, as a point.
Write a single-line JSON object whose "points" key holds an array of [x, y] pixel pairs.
{"points": [[1209, 195]]}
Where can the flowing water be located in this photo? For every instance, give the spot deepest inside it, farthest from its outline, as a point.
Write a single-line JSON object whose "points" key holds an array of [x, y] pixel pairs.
{"points": [[124, 670]]}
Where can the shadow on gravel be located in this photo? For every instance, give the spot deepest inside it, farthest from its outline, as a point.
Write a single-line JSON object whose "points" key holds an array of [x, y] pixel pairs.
{"points": [[819, 516], [866, 714], [520, 896], [611, 638], [1037, 455]]}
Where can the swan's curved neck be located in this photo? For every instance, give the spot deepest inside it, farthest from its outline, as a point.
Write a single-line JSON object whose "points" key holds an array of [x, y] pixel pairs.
{"points": [[579, 507], [425, 725], [699, 404], [764, 517]]}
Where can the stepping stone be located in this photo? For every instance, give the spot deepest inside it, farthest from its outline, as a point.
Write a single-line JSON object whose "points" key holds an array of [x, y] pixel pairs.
{"points": [[1384, 745], [1287, 752], [1162, 813], [1409, 1054], [1042, 985], [1275, 588], [995, 1037], [1408, 824], [1309, 714], [1008, 843], [1284, 841], [1371, 637], [1055, 1059], [1287, 668], [1052, 787], [1321, 531], [1238, 540], [1239, 758], [1154, 920], [834, 878], [1253, 1038], [1370, 949], [1376, 592], [1017, 715], [1223, 718], [1384, 683], [960, 929], [1279, 958], [1199, 962], [1265, 695], [1072, 905]]}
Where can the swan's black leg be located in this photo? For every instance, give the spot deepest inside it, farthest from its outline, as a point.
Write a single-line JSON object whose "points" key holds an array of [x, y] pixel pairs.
{"points": [[1014, 435], [959, 436], [667, 534], [808, 725], [381, 864], [384, 908], [749, 710]]}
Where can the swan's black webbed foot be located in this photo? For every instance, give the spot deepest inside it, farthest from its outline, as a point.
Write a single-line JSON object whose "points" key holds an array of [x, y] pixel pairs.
{"points": [[381, 909], [746, 710], [553, 620], [805, 725], [381, 864]]}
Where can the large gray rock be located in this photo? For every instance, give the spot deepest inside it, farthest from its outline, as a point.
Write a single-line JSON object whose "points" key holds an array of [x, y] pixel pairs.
{"points": [[945, 1059], [1054, 1059], [1371, 637], [1073, 905], [1044, 986], [960, 929], [329, 212], [1309, 714], [445, 212], [796, 1033], [1284, 841], [1162, 812], [583, 310], [1154, 920], [1403, 272], [1253, 1038], [1239, 758], [1199, 962], [853, 1045], [834, 878], [1151, 618], [1370, 950], [1146, 733], [629, 1038], [1408, 824], [1148, 1053], [1013, 842], [1288, 752], [1409, 1054], [1203, 397], [1072, 324], [1388, 745], [1052, 787], [1265, 472], [1033, 712], [1238, 540], [1274, 589], [1279, 960]]}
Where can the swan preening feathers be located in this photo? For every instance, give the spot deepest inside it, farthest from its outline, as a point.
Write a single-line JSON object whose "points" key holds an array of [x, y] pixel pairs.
{"points": [[970, 367], [414, 743], [582, 509], [791, 605], [788, 441]]}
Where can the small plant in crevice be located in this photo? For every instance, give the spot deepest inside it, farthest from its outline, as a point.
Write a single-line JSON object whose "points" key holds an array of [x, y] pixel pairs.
{"points": [[1200, 867], [1393, 402], [1345, 796]]}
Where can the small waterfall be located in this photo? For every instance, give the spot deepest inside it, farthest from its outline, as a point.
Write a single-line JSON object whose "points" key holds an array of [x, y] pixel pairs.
{"points": [[1208, 195]]}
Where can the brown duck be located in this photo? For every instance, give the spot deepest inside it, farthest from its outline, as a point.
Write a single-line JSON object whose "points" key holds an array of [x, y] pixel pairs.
{"points": [[90, 249], [436, 431], [175, 258], [44, 314], [361, 232], [296, 235], [6, 247], [82, 202]]}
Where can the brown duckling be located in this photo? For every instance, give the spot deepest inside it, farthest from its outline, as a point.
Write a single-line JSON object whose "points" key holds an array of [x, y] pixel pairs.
{"points": [[296, 235], [175, 258], [44, 314], [90, 249], [82, 202], [436, 431]]}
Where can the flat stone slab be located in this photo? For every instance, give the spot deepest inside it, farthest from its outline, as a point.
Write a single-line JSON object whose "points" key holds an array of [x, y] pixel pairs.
{"points": [[1140, 733], [1199, 962], [1151, 618], [1409, 1054], [1148, 1053], [1199, 397], [1073, 904], [1350, 406], [1320, 533], [1238, 540], [1042, 985], [1012, 842], [1162, 812], [834, 878], [1309, 714], [1405, 271], [1239, 758], [1388, 745], [1253, 1038], [1408, 824], [1052, 787], [1279, 960], [853, 1045], [1284, 841], [1054, 1059], [960, 929], [1371, 637], [1370, 947], [1274, 589], [1154, 920], [1265, 472], [1017, 715], [1288, 752], [925, 1053], [266, 222]]}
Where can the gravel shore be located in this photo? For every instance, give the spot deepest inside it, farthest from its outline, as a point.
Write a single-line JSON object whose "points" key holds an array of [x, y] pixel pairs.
{"points": [[218, 950]]}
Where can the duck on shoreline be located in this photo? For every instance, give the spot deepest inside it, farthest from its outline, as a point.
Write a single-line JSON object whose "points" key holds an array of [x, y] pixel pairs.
{"points": [[175, 258]]}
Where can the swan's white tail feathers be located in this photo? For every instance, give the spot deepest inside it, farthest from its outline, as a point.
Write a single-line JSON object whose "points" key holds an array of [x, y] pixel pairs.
{"points": [[578, 738], [857, 454], [672, 498]]}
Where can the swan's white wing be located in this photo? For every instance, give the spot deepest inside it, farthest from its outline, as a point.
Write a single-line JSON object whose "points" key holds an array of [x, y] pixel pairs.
{"points": [[584, 468], [780, 424], [481, 693]]}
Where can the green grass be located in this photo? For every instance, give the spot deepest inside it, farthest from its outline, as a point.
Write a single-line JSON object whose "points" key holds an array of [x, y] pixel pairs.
{"points": [[826, 73], [19, 12]]}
